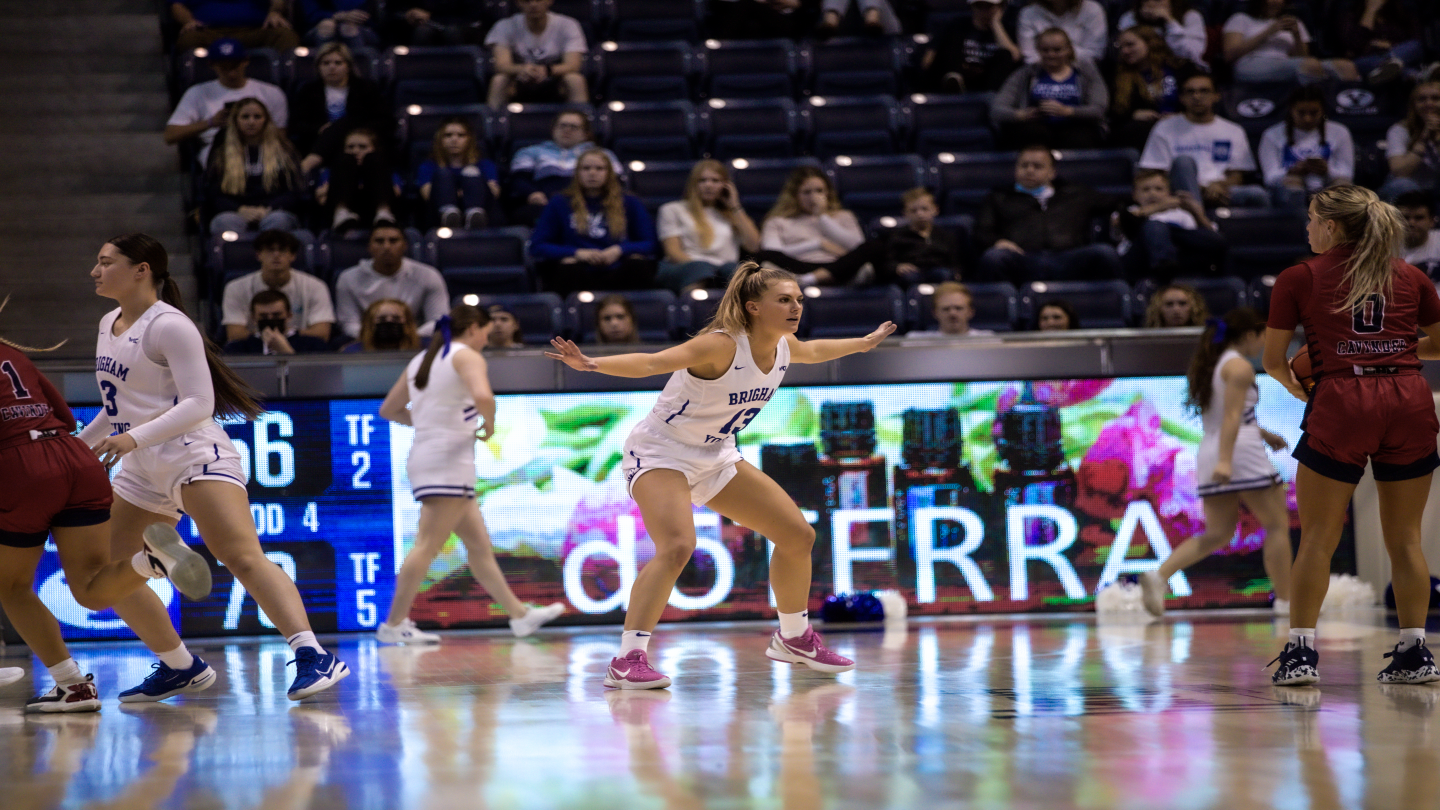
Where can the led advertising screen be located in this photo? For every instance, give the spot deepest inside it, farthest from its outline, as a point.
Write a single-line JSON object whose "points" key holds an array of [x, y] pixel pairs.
{"points": [[966, 497]]}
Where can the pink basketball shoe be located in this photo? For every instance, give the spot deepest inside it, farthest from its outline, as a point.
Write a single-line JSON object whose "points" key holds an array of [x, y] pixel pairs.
{"points": [[809, 650], [633, 671]]}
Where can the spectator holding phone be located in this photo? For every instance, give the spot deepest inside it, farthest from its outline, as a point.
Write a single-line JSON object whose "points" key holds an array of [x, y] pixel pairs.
{"points": [[703, 233], [1412, 146], [1059, 101], [351, 22], [1305, 152], [205, 106]]}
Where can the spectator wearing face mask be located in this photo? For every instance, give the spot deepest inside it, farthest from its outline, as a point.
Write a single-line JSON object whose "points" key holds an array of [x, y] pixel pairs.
{"points": [[274, 329], [387, 325], [309, 299]]}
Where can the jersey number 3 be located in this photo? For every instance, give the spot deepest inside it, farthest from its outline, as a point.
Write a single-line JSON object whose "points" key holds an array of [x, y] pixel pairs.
{"points": [[110, 391], [1368, 316]]}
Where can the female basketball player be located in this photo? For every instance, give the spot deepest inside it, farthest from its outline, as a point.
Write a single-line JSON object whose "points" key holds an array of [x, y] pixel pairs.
{"points": [[1361, 307], [1232, 466], [162, 385], [447, 390], [684, 452], [50, 483]]}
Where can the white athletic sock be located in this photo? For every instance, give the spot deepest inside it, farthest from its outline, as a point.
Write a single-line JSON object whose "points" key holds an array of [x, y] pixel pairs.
{"points": [[178, 659], [1304, 636], [66, 672], [141, 564], [794, 625], [1410, 636], [634, 640], [305, 638]]}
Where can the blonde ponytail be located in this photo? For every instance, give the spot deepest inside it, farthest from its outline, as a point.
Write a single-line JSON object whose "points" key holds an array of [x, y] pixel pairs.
{"points": [[748, 284], [1374, 228]]}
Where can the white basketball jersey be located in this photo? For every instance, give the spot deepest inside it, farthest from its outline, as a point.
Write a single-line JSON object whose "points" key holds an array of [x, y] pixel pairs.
{"points": [[1215, 414], [134, 388], [707, 412], [444, 408]]}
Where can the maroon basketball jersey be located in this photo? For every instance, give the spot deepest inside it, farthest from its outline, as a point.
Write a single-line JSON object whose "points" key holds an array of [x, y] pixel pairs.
{"points": [[1379, 331], [27, 400]]}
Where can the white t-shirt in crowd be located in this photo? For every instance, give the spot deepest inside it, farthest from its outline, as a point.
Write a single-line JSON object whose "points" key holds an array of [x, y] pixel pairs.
{"points": [[1086, 25], [1186, 37], [309, 299], [1397, 140], [1217, 147], [675, 220], [562, 35], [1279, 45], [202, 101], [1427, 255], [1277, 156]]}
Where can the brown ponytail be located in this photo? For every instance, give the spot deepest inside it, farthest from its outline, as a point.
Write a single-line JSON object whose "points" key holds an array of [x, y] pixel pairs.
{"points": [[1219, 335], [234, 398], [461, 318], [1374, 228], [748, 284]]}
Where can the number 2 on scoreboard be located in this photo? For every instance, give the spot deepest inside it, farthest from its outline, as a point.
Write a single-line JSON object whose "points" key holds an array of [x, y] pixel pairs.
{"points": [[360, 459]]}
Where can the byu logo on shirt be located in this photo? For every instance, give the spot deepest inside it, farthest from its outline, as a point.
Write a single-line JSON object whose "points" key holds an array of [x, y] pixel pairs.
{"points": [[596, 228], [1220, 151]]}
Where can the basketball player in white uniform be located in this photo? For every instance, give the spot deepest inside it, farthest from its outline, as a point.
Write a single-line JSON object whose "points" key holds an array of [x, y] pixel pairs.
{"points": [[684, 452], [161, 386], [448, 393], [1232, 466]]}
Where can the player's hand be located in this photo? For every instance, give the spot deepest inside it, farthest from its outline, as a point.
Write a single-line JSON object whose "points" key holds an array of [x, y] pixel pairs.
{"points": [[483, 433], [570, 354], [111, 448], [881, 332], [1275, 441], [1221, 475], [1293, 385]]}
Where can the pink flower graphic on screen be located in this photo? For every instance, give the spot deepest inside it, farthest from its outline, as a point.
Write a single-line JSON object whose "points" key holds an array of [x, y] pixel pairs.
{"points": [[1134, 459], [1060, 393]]}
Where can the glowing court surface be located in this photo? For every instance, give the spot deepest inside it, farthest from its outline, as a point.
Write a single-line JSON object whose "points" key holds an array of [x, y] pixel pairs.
{"points": [[996, 713]]}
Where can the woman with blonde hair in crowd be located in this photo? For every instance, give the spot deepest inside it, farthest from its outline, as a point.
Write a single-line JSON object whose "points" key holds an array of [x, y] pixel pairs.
{"points": [[703, 233], [593, 235], [253, 180], [1176, 305]]}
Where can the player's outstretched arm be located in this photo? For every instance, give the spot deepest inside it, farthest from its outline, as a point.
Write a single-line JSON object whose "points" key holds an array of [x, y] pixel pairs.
{"points": [[706, 350], [394, 407], [820, 351]]}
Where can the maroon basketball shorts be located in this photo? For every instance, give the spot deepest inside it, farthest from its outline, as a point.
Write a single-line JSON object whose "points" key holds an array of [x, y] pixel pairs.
{"points": [[1388, 420], [49, 482]]}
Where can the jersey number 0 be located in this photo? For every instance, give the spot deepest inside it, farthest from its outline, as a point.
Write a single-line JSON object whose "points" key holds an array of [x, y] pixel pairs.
{"points": [[1368, 316]]}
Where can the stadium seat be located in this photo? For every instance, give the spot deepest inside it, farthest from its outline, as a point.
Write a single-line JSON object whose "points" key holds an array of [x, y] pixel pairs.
{"points": [[231, 258], [997, 306], [451, 74], [643, 71], [657, 314], [541, 315], [949, 123], [1255, 107], [1098, 304], [336, 254], [697, 309], [1367, 111], [965, 179], [855, 66], [1262, 242], [298, 66], [653, 20], [871, 186], [649, 130], [762, 68], [419, 124], [751, 128], [832, 312], [1109, 171], [482, 262], [760, 181], [193, 67], [522, 125], [658, 182], [1260, 290], [865, 125], [1221, 293]]}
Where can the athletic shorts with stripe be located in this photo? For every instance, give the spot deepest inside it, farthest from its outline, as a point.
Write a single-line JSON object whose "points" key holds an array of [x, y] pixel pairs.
{"points": [[49, 482], [152, 477], [706, 469]]}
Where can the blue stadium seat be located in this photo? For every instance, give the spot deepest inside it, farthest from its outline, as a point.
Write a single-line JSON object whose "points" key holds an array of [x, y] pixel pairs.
{"points": [[657, 314], [850, 125], [965, 179], [298, 66], [658, 182], [521, 125], [193, 67], [760, 181], [997, 306], [649, 130], [1368, 112], [751, 128], [451, 74], [950, 123], [1098, 304], [832, 312], [1255, 107], [1260, 290], [419, 124], [762, 68], [871, 186], [656, 20], [643, 71], [855, 66], [541, 315], [697, 309], [482, 262], [1109, 171], [1262, 242]]}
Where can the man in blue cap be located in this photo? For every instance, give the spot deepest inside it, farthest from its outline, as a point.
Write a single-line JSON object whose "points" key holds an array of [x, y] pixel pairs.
{"points": [[202, 110], [256, 23]]}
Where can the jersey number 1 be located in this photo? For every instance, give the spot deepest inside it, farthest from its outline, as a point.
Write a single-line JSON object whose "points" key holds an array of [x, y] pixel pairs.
{"points": [[1368, 316], [21, 392]]}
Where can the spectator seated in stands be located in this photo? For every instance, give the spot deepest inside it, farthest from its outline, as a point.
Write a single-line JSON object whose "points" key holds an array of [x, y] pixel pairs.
{"points": [[433, 22], [544, 169], [359, 186], [1082, 20], [1060, 101], [330, 106], [1165, 232], [203, 109], [274, 330], [760, 19], [1147, 86], [1174, 306], [1264, 43], [1205, 154], [1181, 27], [809, 234], [256, 23], [387, 325], [703, 233], [1305, 152], [953, 306], [878, 15], [253, 180], [389, 273], [537, 56], [1382, 37], [306, 295], [461, 184], [973, 54], [1422, 241], [1056, 315], [917, 251], [1412, 146], [594, 235], [1039, 229], [507, 333], [351, 22], [615, 320]]}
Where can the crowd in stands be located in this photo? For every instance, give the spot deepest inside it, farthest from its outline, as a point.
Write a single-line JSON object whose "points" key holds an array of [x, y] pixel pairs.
{"points": [[307, 141]]}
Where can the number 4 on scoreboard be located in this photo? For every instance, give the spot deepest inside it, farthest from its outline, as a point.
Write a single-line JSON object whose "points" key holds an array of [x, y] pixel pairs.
{"points": [[311, 520]]}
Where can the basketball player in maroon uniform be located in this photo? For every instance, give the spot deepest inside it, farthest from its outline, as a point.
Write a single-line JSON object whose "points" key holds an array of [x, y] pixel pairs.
{"points": [[51, 483], [1361, 307]]}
